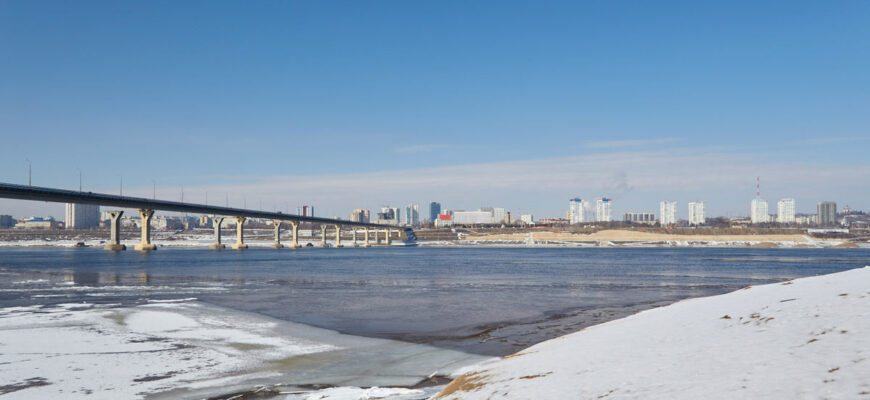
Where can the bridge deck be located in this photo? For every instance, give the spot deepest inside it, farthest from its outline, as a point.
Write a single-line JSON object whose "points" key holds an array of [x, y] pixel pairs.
{"points": [[22, 192]]}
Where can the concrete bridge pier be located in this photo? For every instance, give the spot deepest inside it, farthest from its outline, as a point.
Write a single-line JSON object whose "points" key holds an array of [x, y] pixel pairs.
{"points": [[216, 223], [323, 236], [389, 237], [240, 234], [366, 238], [145, 244], [355, 244], [338, 236], [295, 226], [115, 232], [277, 244]]}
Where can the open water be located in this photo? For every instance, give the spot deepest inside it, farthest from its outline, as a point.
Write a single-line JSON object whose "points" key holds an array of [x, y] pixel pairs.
{"points": [[480, 300]]}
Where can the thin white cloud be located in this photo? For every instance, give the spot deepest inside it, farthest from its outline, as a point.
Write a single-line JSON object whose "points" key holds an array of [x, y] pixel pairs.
{"points": [[615, 144], [637, 180], [420, 148], [831, 140], [532, 184]]}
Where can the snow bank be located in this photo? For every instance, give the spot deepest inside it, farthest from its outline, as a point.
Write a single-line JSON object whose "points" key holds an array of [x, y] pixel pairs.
{"points": [[355, 393], [184, 349], [807, 338], [83, 350]]}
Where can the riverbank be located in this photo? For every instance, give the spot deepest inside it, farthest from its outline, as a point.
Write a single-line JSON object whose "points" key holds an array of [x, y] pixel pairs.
{"points": [[185, 349], [797, 339], [633, 238], [493, 238], [419, 302]]}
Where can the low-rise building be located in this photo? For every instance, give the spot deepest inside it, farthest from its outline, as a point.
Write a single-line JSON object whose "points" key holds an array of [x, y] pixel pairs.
{"points": [[472, 217], [443, 220], [6, 221], [553, 221], [132, 222], [640, 218], [527, 219], [38, 223], [803, 219]]}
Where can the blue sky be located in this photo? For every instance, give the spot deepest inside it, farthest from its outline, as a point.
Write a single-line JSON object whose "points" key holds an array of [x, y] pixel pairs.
{"points": [[288, 102]]}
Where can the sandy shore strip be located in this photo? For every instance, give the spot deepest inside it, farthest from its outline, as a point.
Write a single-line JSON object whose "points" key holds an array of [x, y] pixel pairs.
{"points": [[637, 236], [630, 238], [806, 338]]}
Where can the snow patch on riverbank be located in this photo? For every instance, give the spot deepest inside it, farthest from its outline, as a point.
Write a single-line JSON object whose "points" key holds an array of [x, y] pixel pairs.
{"points": [[83, 350], [184, 349], [807, 338]]}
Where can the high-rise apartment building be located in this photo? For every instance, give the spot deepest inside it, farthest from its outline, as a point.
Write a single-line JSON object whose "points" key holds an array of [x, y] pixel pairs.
{"points": [[827, 213], [696, 213], [82, 216], [434, 211], [758, 211], [603, 212], [412, 215], [305, 211], [785, 211], [667, 212], [360, 215], [758, 207], [576, 214], [388, 216], [6, 221], [498, 214]]}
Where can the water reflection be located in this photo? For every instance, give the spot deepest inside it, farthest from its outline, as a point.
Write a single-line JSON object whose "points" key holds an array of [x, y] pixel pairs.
{"points": [[104, 278]]}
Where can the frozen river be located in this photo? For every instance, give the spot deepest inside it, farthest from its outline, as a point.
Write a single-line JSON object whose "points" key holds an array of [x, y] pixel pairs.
{"points": [[185, 322]]}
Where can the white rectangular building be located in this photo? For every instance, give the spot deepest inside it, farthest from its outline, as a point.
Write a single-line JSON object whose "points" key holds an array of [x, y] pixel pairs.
{"points": [[498, 215], [527, 219], [472, 217], [758, 211], [785, 211], [696, 213], [668, 212], [640, 218], [82, 216], [603, 211], [576, 214]]}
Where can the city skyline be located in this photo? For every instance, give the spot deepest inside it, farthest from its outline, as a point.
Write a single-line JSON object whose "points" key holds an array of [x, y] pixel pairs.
{"points": [[578, 211]]}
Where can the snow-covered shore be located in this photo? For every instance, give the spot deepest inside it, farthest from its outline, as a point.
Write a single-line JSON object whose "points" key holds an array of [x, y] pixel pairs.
{"points": [[807, 338], [185, 349]]}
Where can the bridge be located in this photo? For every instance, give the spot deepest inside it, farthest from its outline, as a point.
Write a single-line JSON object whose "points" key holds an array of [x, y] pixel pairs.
{"points": [[147, 207]]}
